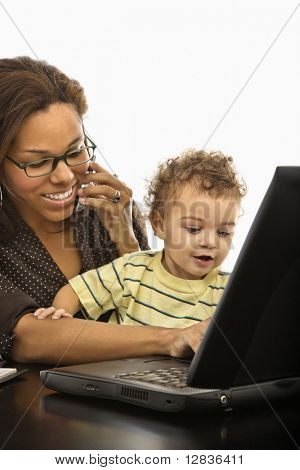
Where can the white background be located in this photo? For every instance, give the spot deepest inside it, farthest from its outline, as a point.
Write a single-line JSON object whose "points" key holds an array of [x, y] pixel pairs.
{"points": [[161, 74]]}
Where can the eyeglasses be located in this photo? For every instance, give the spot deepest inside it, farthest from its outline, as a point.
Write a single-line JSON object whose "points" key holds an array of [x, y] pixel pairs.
{"points": [[45, 166]]}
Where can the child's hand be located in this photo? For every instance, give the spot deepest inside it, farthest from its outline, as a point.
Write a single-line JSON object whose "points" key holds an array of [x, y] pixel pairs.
{"points": [[54, 313]]}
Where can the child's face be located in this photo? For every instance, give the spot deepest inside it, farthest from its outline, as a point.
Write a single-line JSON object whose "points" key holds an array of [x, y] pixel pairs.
{"points": [[197, 231]]}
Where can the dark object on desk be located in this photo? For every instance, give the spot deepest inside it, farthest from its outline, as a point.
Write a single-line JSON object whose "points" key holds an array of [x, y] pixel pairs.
{"points": [[62, 421], [251, 351]]}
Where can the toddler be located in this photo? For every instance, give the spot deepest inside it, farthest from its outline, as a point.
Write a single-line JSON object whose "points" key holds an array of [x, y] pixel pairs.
{"points": [[194, 203]]}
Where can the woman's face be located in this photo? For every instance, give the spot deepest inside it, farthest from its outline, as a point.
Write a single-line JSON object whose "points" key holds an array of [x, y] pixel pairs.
{"points": [[44, 202]]}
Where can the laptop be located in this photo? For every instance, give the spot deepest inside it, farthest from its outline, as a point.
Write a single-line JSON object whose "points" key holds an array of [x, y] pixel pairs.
{"points": [[250, 353]]}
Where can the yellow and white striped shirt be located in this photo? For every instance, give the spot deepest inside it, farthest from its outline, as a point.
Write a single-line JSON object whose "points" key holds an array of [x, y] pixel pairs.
{"points": [[141, 291]]}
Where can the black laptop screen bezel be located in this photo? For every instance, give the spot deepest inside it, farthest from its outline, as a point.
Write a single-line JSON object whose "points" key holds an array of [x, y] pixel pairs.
{"points": [[269, 251]]}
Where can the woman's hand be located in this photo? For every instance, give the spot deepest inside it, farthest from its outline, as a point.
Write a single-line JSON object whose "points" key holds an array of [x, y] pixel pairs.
{"points": [[115, 216], [187, 340]]}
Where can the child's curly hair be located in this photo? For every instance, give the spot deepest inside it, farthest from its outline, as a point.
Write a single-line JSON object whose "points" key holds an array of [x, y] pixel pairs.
{"points": [[209, 172]]}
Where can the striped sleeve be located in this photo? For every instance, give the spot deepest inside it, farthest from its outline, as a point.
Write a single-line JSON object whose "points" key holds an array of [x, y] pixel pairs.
{"points": [[100, 290]]}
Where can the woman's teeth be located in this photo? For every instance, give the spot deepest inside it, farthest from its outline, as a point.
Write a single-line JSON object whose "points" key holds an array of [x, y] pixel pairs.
{"points": [[60, 196]]}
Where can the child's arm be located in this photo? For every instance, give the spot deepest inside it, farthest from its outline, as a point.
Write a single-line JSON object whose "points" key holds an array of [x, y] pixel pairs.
{"points": [[95, 296], [67, 299], [65, 304]]}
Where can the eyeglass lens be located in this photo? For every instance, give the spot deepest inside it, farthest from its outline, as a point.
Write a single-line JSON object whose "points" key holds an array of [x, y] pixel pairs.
{"points": [[48, 165]]}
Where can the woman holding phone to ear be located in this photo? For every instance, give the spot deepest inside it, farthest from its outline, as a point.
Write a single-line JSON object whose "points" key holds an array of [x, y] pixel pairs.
{"points": [[61, 214]]}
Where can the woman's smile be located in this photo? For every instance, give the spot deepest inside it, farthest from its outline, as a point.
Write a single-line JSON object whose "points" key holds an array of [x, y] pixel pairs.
{"points": [[62, 198]]}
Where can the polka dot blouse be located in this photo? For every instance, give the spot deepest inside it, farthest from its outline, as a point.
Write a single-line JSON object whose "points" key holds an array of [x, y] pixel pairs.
{"points": [[29, 277]]}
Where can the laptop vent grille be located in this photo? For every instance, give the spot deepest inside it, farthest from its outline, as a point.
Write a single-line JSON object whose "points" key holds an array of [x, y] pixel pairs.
{"points": [[135, 393]]}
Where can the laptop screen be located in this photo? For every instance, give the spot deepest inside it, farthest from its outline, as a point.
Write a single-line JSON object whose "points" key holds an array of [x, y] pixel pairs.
{"points": [[254, 333]]}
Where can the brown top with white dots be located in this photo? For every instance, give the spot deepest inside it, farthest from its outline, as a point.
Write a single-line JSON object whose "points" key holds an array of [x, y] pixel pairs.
{"points": [[29, 277]]}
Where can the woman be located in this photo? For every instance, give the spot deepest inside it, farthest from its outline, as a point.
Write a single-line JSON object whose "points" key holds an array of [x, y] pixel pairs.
{"points": [[52, 228]]}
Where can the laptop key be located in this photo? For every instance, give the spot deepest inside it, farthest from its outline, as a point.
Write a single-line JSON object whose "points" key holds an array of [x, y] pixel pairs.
{"points": [[172, 377]]}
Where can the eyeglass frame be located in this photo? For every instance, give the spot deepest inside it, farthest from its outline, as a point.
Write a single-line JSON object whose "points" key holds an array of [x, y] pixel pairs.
{"points": [[56, 160]]}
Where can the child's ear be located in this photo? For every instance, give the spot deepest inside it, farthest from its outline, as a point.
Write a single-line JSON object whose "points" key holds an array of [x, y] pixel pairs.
{"points": [[158, 224]]}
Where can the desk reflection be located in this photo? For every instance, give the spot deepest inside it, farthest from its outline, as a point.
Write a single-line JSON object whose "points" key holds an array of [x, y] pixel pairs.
{"points": [[33, 417], [114, 425]]}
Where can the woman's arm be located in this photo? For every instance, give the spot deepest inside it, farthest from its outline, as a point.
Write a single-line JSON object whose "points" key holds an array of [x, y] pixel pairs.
{"points": [[14, 305], [75, 341]]}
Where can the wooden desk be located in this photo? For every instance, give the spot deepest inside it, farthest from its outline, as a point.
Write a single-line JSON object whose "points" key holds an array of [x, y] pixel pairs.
{"points": [[32, 417]]}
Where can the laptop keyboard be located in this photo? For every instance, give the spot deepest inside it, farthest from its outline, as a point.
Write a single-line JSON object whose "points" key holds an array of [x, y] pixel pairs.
{"points": [[174, 377]]}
